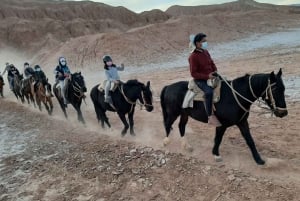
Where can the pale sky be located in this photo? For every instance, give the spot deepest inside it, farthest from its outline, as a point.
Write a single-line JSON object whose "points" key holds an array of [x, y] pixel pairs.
{"points": [[145, 5]]}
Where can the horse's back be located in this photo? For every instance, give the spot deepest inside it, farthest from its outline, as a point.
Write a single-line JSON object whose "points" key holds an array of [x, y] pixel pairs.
{"points": [[175, 92]]}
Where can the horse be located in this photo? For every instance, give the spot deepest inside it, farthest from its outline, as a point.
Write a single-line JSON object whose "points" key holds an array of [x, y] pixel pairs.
{"points": [[27, 91], [17, 87], [232, 109], [75, 90], [43, 94], [124, 101], [1, 86]]}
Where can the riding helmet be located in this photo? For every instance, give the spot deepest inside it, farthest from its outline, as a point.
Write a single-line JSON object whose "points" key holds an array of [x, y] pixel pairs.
{"points": [[106, 58]]}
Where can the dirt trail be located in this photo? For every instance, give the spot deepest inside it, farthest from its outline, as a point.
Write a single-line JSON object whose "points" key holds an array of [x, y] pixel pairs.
{"points": [[50, 158]]}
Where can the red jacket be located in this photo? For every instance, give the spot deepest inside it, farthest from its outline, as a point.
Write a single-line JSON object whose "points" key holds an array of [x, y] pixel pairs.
{"points": [[201, 64]]}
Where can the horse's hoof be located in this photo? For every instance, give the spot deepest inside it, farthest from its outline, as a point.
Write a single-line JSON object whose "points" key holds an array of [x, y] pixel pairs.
{"points": [[123, 133], [132, 133], [166, 141], [218, 158], [189, 148], [260, 162]]}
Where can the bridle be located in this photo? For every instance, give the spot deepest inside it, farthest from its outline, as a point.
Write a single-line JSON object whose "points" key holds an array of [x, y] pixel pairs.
{"points": [[77, 88], [268, 94], [133, 103]]}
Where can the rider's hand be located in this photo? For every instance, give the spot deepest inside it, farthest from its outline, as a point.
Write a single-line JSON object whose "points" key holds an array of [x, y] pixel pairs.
{"points": [[116, 81], [60, 74], [211, 76]]}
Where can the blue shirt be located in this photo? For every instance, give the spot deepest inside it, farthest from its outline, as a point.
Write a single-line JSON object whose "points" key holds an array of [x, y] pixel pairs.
{"points": [[112, 73]]}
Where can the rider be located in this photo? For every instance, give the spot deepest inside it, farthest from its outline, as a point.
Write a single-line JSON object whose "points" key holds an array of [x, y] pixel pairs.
{"points": [[40, 77], [202, 68], [62, 74], [111, 73], [11, 71], [28, 71]]}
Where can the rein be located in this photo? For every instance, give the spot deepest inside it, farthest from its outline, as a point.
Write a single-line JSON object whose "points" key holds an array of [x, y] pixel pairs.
{"points": [[77, 89], [131, 102], [268, 91]]}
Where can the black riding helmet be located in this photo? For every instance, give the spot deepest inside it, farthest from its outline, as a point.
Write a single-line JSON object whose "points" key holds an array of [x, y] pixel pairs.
{"points": [[106, 58], [37, 67]]}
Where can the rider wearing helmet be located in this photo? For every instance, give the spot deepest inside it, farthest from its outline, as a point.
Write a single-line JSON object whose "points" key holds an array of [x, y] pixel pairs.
{"points": [[62, 74], [11, 71], [40, 77], [28, 71], [111, 73]]}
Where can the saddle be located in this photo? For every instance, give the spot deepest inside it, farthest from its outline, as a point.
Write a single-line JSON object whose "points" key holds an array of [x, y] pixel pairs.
{"points": [[113, 86], [194, 93]]}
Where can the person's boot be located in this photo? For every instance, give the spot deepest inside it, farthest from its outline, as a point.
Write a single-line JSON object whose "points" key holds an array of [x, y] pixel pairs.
{"points": [[213, 120]]}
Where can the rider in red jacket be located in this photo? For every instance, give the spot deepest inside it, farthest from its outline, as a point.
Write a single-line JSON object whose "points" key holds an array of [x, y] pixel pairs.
{"points": [[202, 68]]}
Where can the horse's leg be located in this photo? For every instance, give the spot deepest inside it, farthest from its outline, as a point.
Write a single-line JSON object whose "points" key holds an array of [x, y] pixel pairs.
{"points": [[218, 139], [131, 122], [32, 99], [244, 128], [46, 106], [168, 126], [182, 123], [50, 105], [79, 113], [126, 126]]}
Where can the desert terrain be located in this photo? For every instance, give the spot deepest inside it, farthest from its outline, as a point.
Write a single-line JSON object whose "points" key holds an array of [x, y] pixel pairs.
{"points": [[51, 158]]}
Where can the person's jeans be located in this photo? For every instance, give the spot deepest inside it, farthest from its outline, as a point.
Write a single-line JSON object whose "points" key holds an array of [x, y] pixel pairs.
{"points": [[209, 92], [11, 82]]}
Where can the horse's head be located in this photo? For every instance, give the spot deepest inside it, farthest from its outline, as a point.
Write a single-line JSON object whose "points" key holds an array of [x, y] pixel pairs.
{"points": [[78, 81], [274, 95], [147, 97]]}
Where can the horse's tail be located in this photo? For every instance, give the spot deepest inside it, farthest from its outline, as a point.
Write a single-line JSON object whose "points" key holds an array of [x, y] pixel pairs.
{"points": [[162, 103], [97, 105]]}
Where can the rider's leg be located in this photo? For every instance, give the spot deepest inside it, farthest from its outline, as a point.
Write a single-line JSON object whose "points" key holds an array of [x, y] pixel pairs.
{"points": [[107, 97], [62, 89], [11, 81], [209, 92]]}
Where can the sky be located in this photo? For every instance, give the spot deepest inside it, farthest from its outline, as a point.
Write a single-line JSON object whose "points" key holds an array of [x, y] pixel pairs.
{"points": [[145, 5]]}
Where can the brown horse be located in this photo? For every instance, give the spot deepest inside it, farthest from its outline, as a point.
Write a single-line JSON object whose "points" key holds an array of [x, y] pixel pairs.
{"points": [[26, 90], [43, 94], [1, 86]]}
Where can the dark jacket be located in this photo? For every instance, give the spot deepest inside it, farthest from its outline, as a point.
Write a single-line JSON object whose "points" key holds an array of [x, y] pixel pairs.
{"points": [[40, 76], [201, 64], [28, 71], [64, 70], [13, 70]]}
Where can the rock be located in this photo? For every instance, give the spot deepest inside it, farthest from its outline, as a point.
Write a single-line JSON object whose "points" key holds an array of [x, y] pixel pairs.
{"points": [[231, 177]]}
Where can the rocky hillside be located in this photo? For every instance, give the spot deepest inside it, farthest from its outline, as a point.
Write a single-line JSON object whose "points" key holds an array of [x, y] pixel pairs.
{"points": [[47, 23], [236, 6], [84, 31]]}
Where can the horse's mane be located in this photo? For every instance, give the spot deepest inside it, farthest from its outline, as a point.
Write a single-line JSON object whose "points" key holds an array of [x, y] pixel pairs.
{"points": [[132, 82]]}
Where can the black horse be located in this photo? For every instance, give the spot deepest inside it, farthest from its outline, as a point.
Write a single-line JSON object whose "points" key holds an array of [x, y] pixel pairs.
{"points": [[124, 100], [74, 94], [1, 86], [17, 86], [232, 109]]}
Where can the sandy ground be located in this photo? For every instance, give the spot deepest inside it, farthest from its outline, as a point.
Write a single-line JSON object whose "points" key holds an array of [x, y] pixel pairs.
{"points": [[50, 158]]}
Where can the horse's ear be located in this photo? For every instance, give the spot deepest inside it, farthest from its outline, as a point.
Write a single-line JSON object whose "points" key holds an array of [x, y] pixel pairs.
{"points": [[279, 73], [272, 76], [79, 72], [148, 84]]}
